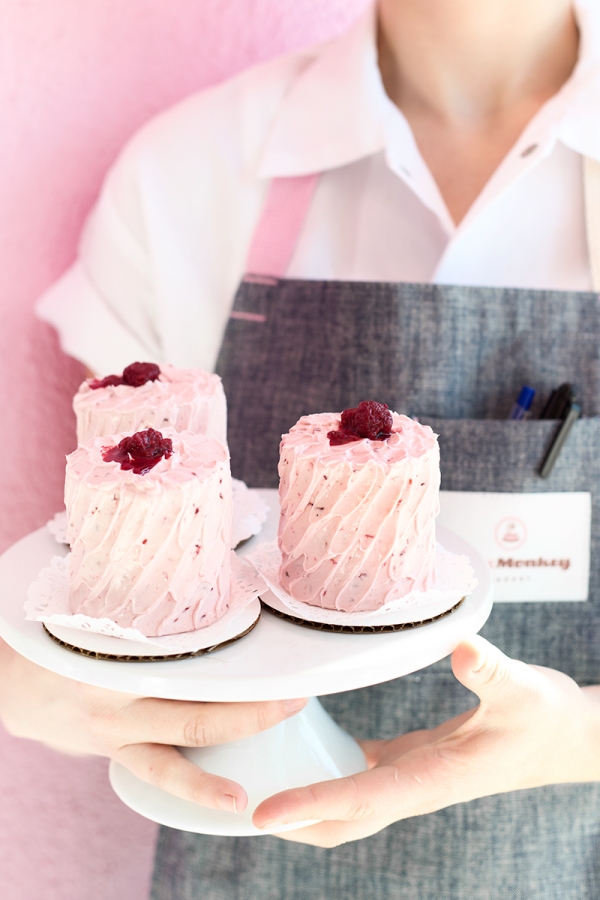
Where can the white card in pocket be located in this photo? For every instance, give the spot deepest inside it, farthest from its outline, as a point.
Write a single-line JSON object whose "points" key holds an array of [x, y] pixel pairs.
{"points": [[537, 545]]}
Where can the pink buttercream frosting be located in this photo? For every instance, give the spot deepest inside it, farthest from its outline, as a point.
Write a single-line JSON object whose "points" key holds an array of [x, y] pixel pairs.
{"points": [[184, 399], [357, 524], [151, 551]]}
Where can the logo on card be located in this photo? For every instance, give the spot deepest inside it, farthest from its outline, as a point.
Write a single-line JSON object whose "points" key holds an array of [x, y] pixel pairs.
{"points": [[510, 533]]}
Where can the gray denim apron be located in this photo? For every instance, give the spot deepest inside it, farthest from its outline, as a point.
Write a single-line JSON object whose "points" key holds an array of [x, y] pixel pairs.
{"points": [[456, 357]]}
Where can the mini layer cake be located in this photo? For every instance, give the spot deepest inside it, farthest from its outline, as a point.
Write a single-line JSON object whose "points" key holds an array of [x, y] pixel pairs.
{"points": [[149, 524], [151, 396], [359, 495]]}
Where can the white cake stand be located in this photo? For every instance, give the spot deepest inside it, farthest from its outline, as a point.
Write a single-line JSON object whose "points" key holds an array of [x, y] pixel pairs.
{"points": [[277, 660]]}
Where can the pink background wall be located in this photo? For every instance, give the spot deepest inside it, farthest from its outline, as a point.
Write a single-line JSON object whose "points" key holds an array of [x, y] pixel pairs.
{"points": [[77, 78]]}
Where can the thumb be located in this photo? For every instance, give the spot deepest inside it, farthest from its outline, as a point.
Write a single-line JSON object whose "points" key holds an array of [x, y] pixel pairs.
{"points": [[489, 673]]}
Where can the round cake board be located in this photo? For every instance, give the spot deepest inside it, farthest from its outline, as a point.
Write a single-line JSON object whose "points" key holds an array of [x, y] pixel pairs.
{"points": [[105, 647], [400, 620]]}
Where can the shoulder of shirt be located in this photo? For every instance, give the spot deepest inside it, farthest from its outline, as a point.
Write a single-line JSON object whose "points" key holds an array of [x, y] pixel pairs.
{"points": [[230, 120]]}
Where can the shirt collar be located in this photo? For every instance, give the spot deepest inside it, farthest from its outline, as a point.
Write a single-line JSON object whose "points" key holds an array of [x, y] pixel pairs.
{"points": [[337, 111], [579, 100], [333, 113]]}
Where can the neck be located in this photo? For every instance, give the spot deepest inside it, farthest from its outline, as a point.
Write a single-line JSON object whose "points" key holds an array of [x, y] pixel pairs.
{"points": [[469, 75], [469, 60]]}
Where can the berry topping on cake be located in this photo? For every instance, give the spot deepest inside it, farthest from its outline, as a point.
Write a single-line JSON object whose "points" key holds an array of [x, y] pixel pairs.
{"points": [[109, 381], [369, 419], [135, 375], [139, 373], [140, 452]]}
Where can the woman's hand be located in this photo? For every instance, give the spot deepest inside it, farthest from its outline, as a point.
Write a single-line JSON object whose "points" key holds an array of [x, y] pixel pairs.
{"points": [[533, 726], [136, 731]]}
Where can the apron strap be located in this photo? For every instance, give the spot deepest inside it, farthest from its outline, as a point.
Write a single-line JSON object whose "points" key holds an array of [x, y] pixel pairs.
{"points": [[279, 226], [591, 192]]}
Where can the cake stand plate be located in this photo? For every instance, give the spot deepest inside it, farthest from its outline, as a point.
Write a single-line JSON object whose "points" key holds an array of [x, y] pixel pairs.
{"points": [[277, 660]]}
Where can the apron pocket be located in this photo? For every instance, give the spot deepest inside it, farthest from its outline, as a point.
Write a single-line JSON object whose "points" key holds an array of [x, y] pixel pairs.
{"points": [[505, 456]]}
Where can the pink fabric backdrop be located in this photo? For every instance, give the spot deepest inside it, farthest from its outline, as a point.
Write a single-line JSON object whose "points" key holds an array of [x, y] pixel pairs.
{"points": [[77, 78]]}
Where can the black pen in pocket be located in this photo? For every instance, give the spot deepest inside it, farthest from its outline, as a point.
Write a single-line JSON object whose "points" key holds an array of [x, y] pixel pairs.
{"points": [[562, 404], [558, 402]]}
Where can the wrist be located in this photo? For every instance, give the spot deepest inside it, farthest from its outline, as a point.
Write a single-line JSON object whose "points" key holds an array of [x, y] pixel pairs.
{"points": [[5, 649], [591, 757], [7, 657]]}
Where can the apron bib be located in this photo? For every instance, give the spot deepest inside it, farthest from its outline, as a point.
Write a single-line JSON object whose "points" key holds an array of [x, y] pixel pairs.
{"points": [[456, 357]]}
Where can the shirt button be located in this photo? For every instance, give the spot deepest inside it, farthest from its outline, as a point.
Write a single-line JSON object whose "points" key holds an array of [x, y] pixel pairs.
{"points": [[528, 150]]}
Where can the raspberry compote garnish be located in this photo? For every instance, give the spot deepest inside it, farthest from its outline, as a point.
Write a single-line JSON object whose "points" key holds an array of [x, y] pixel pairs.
{"points": [[109, 381], [369, 419], [135, 375], [139, 373], [140, 452]]}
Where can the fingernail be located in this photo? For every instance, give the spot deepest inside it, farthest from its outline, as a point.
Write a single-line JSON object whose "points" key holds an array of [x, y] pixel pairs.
{"points": [[294, 706], [479, 663], [228, 803], [273, 825]]}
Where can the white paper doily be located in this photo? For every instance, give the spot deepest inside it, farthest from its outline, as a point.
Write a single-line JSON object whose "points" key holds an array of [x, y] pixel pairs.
{"points": [[48, 602], [57, 526], [455, 578], [249, 513]]}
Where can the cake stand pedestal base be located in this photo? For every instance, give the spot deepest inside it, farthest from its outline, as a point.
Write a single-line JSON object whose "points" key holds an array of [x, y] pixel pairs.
{"points": [[306, 748]]}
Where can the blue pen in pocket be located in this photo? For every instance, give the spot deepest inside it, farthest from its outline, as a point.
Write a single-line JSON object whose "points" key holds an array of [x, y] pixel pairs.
{"points": [[521, 408]]}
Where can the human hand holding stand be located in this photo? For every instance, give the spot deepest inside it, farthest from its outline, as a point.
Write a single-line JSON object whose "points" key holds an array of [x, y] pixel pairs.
{"points": [[534, 726]]}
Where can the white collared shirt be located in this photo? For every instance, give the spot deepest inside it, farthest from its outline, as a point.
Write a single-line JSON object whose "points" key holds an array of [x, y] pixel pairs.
{"points": [[165, 247]]}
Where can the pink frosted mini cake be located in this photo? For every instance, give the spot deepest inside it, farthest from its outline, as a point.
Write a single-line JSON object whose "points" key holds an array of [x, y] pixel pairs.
{"points": [[149, 523], [359, 495], [150, 396]]}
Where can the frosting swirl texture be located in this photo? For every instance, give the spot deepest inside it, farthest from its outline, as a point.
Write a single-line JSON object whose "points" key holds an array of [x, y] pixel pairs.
{"points": [[357, 524], [150, 551], [184, 399]]}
